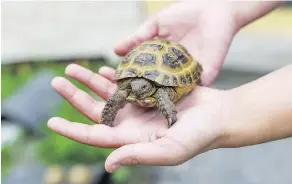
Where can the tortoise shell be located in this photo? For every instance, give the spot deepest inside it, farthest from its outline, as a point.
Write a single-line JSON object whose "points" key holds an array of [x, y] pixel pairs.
{"points": [[164, 62]]}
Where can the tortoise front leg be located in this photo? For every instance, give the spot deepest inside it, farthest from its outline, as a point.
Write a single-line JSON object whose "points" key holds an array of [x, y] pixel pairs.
{"points": [[113, 105], [166, 106]]}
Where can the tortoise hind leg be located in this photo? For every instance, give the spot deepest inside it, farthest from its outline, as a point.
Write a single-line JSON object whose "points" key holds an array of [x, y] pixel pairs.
{"points": [[113, 105], [166, 106]]}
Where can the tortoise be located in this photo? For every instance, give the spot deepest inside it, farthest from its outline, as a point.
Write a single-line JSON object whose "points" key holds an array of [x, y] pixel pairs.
{"points": [[155, 73]]}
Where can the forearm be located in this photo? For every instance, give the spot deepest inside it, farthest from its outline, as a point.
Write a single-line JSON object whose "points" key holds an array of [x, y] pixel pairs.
{"points": [[261, 111], [246, 12]]}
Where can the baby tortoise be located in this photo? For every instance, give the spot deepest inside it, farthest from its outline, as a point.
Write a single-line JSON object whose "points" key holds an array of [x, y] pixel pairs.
{"points": [[155, 73]]}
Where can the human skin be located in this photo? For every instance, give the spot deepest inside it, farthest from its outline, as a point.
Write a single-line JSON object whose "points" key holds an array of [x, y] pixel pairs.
{"points": [[254, 113], [205, 29], [208, 118], [265, 110]]}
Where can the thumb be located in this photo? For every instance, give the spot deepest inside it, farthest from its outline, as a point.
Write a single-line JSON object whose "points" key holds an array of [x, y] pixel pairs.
{"points": [[146, 31], [163, 151]]}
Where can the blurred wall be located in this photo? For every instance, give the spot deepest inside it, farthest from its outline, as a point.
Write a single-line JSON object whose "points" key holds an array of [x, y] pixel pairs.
{"points": [[56, 29], [62, 29], [262, 46]]}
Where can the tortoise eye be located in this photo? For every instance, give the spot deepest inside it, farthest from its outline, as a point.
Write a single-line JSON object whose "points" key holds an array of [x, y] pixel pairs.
{"points": [[143, 87]]}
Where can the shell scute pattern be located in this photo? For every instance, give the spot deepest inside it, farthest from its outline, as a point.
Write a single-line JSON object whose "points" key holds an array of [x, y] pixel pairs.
{"points": [[161, 61], [197, 72], [118, 74], [170, 61], [151, 75], [184, 50], [166, 80], [183, 80], [131, 72], [144, 59], [174, 80], [165, 41], [179, 56], [128, 57], [154, 46], [189, 78]]}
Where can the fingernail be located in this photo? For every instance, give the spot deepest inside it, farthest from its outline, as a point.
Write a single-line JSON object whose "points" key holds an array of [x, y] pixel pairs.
{"points": [[104, 69], [57, 81], [52, 121]]}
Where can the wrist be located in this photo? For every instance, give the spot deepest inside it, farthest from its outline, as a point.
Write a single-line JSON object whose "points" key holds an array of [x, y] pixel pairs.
{"points": [[246, 118], [259, 111], [247, 12], [239, 126], [229, 110]]}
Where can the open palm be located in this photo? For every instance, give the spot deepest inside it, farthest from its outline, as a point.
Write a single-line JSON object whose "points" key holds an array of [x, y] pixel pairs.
{"points": [[141, 135], [206, 32]]}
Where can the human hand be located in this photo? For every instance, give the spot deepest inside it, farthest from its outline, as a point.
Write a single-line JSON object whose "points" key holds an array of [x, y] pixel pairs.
{"points": [[205, 29], [142, 135]]}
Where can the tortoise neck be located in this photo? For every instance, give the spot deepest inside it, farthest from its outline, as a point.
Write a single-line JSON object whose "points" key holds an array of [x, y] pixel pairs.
{"points": [[142, 88]]}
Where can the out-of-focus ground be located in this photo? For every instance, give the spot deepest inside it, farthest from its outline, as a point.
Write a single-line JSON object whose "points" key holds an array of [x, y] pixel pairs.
{"points": [[34, 30]]}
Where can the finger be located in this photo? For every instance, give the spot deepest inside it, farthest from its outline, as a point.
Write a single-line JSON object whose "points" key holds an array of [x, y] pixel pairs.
{"points": [[108, 73], [212, 62], [209, 75], [145, 32], [209, 40], [98, 84], [95, 135], [83, 102], [160, 152]]}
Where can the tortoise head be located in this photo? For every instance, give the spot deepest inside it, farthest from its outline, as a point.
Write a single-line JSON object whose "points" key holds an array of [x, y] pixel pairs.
{"points": [[142, 88]]}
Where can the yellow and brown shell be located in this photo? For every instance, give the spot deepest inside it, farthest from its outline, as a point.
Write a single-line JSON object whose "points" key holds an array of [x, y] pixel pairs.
{"points": [[164, 62]]}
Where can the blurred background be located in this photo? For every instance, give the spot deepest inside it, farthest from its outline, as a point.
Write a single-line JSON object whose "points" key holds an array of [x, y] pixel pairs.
{"points": [[39, 38]]}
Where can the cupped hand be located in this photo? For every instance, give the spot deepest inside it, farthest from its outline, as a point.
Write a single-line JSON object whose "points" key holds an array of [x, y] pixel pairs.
{"points": [[141, 136], [205, 29]]}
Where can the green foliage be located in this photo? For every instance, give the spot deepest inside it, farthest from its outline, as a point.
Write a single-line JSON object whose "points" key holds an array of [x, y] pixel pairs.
{"points": [[121, 175], [55, 148], [6, 160], [67, 151], [9, 151], [13, 76]]}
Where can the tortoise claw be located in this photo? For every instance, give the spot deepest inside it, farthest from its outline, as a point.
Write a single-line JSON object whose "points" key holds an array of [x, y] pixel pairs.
{"points": [[171, 120]]}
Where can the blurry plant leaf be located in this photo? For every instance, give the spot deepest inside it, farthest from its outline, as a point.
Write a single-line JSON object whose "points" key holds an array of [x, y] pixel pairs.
{"points": [[121, 175], [55, 148], [6, 160]]}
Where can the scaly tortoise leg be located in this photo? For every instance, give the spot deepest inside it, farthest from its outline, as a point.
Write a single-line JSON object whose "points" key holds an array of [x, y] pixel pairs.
{"points": [[113, 105], [166, 106]]}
